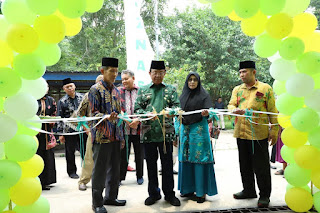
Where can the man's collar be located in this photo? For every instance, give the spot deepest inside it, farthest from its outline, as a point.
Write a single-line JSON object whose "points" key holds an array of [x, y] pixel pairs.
{"points": [[244, 86], [162, 85], [107, 85]]}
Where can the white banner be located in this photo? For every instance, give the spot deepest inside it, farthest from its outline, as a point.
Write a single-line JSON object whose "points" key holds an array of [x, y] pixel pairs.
{"points": [[139, 51]]}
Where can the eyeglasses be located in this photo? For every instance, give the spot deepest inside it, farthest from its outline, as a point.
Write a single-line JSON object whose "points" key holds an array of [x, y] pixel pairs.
{"points": [[158, 73]]}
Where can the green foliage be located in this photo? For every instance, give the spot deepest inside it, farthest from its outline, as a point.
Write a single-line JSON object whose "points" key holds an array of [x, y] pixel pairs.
{"points": [[316, 5], [213, 46]]}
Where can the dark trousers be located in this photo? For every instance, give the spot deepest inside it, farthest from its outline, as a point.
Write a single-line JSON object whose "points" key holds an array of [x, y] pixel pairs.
{"points": [[257, 163], [138, 156], [71, 145], [151, 152], [106, 172]]}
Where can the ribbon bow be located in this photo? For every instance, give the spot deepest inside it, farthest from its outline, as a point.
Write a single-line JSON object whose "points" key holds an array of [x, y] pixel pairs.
{"points": [[122, 117], [213, 114]]}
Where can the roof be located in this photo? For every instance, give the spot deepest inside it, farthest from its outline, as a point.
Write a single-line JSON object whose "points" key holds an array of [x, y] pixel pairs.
{"points": [[75, 76]]}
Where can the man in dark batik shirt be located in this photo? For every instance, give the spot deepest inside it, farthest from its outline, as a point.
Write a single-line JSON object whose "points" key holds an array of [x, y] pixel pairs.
{"points": [[66, 106], [107, 138]]}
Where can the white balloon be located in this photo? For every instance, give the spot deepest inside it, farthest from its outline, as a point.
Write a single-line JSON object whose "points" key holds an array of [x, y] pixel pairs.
{"points": [[313, 100], [282, 69], [8, 128], [21, 106], [300, 85], [274, 57], [37, 88]]}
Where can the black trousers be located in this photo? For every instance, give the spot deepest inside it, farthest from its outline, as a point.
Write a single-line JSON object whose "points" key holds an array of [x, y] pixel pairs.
{"points": [[255, 162], [106, 172], [138, 156], [152, 151], [71, 145]]}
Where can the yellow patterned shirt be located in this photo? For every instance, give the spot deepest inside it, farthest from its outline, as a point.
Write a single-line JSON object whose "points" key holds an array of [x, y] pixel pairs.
{"points": [[259, 97]]}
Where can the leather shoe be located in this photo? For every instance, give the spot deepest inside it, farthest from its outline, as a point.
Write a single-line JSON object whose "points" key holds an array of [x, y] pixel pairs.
{"points": [[82, 187], [263, 202], [151, 200], [115, 202], [201, 199], [173, 200], [244, 195], [140, 181], [45, 188], [100, 209], [74, 176]]}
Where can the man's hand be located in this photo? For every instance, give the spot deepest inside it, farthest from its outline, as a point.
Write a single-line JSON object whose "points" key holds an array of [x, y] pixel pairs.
{"points": [[238, 111], [85, 129], [169, 116], [113, 116], [134, 124], [122, 144], [175, 143], [62, 139], [153, 117], [205, 113], [272, 139]]}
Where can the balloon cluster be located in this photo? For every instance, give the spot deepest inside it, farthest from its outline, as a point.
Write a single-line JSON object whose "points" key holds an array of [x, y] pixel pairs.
{"points": [[287, 36], [30, 31]]}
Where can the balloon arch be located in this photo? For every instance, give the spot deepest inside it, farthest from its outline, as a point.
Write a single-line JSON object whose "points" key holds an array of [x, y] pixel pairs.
{"points": [[30, 31]]}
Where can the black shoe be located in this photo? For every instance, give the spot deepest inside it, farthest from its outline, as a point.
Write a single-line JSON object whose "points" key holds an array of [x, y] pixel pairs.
{"points": [[45, 188], [140, 181], [74, 176], [100, 209], [263, 202], [173, 200], [175, 172], [244, 195], [115, 202], [151, 200], [201, 199], [187, 195]]}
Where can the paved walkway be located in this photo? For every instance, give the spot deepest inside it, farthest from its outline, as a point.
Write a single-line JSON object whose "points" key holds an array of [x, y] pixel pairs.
{"points": [[64, 196]]}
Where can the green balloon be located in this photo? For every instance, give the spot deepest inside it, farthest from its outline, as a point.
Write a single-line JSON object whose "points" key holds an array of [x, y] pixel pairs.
{"points": [[291, 48], [49, 53], [2, 156], [306, 187], [313, 100], [23, 127], [287, 153], [10, 82], [314, 137], [282, 69], [1, 103], [309, 63], [29, 66], [5, 198], [297, 176], [4, 26], [8, 127], [10, 173], [223, 7], [72, 8], [21, 148], [266, 46], [271, 7], [246, 8], [305, 120], [94, 5], [316, 201], [295, 7], [279, 87], [40, 206], [17, 12], [43, 8], [300, 85], [288, 104]]}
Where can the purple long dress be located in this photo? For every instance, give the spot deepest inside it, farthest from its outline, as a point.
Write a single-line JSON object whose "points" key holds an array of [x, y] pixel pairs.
{"points": [[278, 148]]}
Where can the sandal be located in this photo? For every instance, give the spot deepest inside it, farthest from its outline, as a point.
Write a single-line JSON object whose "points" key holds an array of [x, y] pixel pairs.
{"points": [[279, 172]]}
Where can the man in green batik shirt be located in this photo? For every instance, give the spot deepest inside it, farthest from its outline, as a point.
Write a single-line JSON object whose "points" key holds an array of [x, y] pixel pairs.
{"points": [[158, 96]]}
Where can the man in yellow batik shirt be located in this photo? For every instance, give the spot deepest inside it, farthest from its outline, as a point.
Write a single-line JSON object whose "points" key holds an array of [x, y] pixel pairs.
{"points": [[252, 139]]}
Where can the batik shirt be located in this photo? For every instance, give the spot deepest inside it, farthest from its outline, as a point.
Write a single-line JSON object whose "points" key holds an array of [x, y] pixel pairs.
{"points": [[156, 97], [259, 97], [66, 107], [104, 99], [128, 100]]}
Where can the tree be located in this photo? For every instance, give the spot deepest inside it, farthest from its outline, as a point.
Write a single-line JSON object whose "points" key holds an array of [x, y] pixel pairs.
{"points": [[213, 46], [103, 34], [316, 5]]}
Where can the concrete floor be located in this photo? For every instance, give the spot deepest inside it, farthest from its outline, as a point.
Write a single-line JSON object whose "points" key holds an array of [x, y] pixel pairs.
{"points": [[64, 196]]}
